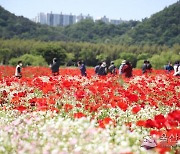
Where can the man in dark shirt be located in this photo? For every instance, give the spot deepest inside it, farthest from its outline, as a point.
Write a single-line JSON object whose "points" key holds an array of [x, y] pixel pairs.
{"points": [[55, 67], [112, 68], [82, 68], [144, 67]]}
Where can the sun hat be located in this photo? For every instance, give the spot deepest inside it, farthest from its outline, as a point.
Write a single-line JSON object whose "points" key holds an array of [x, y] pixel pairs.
{"points": [[123, 62], [104, 64]]}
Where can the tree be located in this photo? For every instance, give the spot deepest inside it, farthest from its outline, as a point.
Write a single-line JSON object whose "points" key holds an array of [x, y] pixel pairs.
{"points": [[129, 57], [5, 55], [29, 60], [49, 52]]}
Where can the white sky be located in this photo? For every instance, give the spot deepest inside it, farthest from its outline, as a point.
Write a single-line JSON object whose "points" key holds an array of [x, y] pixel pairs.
{"points": [[113, 9]]}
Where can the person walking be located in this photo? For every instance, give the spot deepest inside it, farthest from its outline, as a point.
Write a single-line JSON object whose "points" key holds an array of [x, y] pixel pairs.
{"points": [[96, 68], [103, 69], [82, 68], [144, 67], [148, 67], [18, 72], [121, 67], [55, 67], [169, 67], [112, 68], [176, 69], [127, 69]]}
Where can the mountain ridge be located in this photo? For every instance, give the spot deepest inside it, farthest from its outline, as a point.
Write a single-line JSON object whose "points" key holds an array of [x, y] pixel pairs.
{"points": [[162, 28]]}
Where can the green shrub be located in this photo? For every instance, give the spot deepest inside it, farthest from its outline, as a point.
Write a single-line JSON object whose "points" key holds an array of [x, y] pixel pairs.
{"points": [[139, 63], [118, 62], [29, 60], [131, 57], [159, 61]]}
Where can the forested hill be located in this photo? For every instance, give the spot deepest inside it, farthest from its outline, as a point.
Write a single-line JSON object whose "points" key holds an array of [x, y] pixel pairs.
{"points": [[12, 26], [86, 31], [161, 28]]}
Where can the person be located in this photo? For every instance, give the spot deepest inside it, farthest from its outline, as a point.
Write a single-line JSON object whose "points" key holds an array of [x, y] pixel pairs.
{"points": [[148, 66], [144, 67], [121, 67], [82, 68], [55, 67], [18, 72], [103, 69], [176, 68], [96, 69], [127, 69], [112, 68], [169, 67]]}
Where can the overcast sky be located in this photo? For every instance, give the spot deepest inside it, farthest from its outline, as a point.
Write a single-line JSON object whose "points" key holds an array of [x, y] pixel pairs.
{"points": [[113, 9]]}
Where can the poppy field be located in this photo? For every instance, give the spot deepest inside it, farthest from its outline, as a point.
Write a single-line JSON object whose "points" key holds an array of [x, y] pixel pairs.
{"points": [[41, 113]]}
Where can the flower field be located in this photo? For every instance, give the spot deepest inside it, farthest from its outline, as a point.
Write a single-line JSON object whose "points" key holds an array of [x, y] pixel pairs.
{"points": [[41, 113]]}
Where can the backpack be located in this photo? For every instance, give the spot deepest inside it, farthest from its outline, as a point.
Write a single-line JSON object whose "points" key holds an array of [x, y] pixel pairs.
{"points": [[148, 66], [112, 69], [102, 71]]}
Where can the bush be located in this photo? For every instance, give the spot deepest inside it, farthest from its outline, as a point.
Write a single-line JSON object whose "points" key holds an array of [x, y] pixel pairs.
{"points": [[158, 61], [118, 62], [140, 63], [29, 60], [131, 57], [49, 52]]}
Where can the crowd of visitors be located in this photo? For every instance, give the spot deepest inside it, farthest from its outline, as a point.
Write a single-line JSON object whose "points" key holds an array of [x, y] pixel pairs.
{"points": [[102, 69]]}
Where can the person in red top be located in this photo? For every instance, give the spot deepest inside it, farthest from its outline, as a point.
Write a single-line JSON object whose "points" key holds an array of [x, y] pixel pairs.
{"points": [[127, 70]]}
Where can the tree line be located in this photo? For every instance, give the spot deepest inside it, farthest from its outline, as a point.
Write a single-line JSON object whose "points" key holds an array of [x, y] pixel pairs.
{"points": [[40, 53]]}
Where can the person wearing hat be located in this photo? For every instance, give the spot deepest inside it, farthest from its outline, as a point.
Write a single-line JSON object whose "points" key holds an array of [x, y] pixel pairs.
{"points": [[121, 67], [55, 67], [112, 68], [127, 69], [103, 69]]}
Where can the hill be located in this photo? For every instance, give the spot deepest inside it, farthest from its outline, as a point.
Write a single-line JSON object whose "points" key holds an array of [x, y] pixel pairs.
{"points": [[162, 28], [12, 26], [86, 31]]}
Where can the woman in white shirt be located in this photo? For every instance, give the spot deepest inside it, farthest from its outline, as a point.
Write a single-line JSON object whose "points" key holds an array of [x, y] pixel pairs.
{"points": [[176, 68]]}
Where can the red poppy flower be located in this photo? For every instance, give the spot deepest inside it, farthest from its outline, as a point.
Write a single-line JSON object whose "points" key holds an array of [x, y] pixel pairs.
{"points": [[42, 108], [55, 109], [21, 108], [79, 115], [101, 124], [80, 94], [123, 106], [150, 123], [136, 109], [107, 120], [68, 107], [175, 115], [113, 104], [155, 132], [141, 123], [160, 121]]}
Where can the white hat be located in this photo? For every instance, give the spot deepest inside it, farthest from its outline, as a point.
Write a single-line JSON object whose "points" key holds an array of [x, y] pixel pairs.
{"points": [[103, 64], [123, 62]]}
